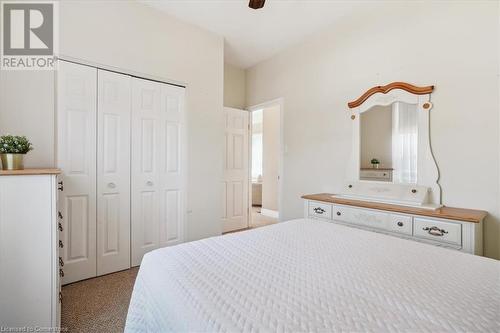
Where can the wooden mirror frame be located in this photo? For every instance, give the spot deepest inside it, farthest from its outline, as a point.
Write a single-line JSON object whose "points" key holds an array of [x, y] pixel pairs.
{"points": [[427, 190]]}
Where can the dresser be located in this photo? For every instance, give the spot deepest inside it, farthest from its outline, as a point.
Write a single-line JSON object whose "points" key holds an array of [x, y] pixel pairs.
{"points": [[454, 228], [29, 249]]}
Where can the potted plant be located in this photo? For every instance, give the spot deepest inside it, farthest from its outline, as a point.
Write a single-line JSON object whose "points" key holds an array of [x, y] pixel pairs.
{"points": [[12, 151], [375, 163]]}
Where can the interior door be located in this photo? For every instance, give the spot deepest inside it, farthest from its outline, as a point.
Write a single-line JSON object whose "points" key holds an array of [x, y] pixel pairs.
{"points": [[236, 170], [173, 166], [146, 164], [113, 172], [76, 157]]}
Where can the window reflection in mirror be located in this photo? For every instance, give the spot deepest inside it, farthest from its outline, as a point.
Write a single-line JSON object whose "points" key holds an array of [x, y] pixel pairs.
{"points": [[389, 140]]}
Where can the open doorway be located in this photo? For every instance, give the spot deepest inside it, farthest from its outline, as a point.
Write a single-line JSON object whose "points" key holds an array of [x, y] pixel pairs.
{"points": [[265, 164]]}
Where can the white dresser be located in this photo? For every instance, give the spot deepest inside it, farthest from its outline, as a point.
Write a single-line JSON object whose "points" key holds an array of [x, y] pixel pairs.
{"points": [[455, 228], [29, 250]]}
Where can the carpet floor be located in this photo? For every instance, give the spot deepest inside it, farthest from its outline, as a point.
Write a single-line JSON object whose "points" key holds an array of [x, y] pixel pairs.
{"points": [[98, 305]]}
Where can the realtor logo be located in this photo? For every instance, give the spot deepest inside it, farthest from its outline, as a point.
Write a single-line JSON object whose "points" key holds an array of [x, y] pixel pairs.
{"points": [[28, 30]]}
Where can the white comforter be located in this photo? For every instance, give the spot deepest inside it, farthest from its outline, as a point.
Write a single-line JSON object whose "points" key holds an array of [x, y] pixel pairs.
{"points": [[312, 276]]}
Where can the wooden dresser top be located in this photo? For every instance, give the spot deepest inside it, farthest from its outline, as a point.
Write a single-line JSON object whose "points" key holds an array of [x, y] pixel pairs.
{"points": [[451, 213], [26, 172]]}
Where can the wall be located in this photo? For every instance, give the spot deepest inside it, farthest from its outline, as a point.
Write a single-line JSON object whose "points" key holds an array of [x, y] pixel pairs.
{"points": [[421, 43], [234, 87], [134, 37], [271, 155], [376, 136]]}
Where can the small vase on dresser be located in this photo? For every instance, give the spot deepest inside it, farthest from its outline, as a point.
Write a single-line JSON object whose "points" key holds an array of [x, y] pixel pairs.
{"points": [[12, 151]]}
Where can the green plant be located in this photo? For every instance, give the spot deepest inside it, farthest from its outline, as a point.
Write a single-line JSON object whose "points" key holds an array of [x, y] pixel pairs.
{"points": [[12, 144], [375, 161]]}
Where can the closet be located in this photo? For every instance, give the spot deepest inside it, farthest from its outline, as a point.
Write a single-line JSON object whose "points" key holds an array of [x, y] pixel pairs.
{"points": [[121, 151]]}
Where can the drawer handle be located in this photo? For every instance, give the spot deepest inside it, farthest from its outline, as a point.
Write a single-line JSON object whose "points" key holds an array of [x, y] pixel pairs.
{"points": [[111, 185], [61, 245], [61, 262], [435, 231], [149, 183], [59, 214], [319, 210], [60, 227], [339, 213], [400, 224]]}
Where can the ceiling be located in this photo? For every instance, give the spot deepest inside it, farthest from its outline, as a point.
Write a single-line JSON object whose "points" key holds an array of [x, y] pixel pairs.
{"points": [[255, 35]]}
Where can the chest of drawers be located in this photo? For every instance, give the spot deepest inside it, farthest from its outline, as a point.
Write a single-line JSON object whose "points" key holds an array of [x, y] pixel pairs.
{"points": [[447, 227]]}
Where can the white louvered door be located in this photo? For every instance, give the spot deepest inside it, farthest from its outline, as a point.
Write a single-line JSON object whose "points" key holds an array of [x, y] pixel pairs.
{"points": [[76, 155], [113, 172]]}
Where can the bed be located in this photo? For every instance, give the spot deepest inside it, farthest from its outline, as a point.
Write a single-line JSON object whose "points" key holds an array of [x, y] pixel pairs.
{"points": [[313, 276]]}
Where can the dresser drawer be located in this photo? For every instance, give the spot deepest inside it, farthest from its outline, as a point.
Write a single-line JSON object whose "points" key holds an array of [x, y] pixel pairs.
{"points": [[440, 231], [376, 175], [319, 209], [367, 218], [401, 224]]}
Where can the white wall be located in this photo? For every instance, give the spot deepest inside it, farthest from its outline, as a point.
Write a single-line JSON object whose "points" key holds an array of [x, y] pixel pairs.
{"points": [[376, 136], [271, 157], [234, 86], [134, 37], [451, 45]]}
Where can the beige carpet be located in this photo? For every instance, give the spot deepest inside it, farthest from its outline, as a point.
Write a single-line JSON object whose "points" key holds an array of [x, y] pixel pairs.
{"points": [[259, 220], [98, 305]]}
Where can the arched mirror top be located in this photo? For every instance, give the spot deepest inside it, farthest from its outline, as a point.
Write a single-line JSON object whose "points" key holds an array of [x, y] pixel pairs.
{"points": [[415, 90]]}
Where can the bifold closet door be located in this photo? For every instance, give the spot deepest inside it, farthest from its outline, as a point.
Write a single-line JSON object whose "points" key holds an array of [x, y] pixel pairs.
{"points": [[157, 167], [76, 155], [113, 172]]}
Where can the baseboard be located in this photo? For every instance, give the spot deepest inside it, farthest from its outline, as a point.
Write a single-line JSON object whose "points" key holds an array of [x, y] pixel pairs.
{"points": [[270, 213]]}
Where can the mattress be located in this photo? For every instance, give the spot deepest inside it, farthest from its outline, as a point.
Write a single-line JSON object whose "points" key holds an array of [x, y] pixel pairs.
{"points": [[313, 276]]}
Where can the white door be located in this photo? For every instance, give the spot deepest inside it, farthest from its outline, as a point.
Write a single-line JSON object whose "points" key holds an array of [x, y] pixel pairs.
{"points": [[158, 166], [146, 155], [236, 171], [113, 172], [76, 156], [172, 165]]}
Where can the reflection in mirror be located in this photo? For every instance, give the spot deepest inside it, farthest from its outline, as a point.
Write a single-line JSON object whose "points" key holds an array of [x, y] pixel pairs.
{"points": [[389, 139]]}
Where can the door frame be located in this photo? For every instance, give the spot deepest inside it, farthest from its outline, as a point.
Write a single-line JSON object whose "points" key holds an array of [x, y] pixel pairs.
{"points": [[281, 102]]}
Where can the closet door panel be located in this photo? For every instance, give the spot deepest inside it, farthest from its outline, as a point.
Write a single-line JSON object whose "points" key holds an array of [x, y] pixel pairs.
{"points": [[76, 157], [172, 166], [147, 149], [113, 172]]}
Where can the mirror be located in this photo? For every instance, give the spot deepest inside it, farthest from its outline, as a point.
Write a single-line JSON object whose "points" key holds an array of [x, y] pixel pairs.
{"points": [[391, 125], [389, 143]]}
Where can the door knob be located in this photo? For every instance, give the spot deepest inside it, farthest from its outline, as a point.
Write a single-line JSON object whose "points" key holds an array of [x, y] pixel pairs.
{"points": [[149, 183], [111, 185]]}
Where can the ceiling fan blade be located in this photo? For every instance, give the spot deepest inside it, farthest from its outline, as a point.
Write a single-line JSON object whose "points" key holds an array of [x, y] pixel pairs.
{"points": [[256, 4]]}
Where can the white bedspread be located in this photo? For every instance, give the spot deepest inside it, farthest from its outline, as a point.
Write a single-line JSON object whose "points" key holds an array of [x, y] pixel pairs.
{"points": [[312, 276]]}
